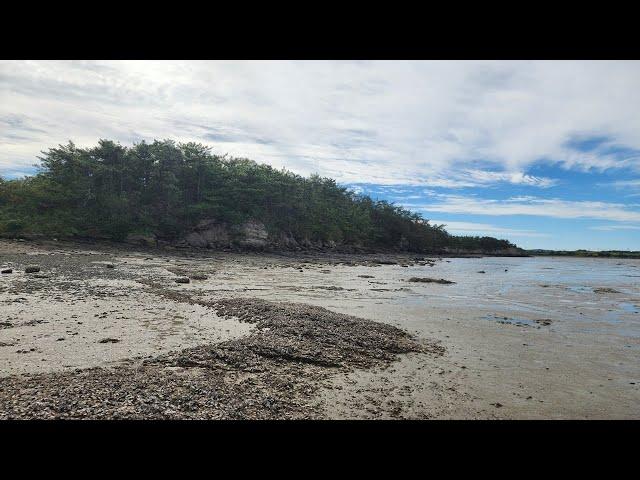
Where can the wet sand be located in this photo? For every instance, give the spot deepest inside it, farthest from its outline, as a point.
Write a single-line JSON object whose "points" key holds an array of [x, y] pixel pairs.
{"points": [[247, 341]]}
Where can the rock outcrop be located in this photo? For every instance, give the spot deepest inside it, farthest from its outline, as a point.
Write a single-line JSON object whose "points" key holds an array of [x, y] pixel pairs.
{"points": [[252, 235], [209, 234]]}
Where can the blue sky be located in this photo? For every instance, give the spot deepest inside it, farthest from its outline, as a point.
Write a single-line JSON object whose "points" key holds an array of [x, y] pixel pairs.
{"points": [[544, 153]]}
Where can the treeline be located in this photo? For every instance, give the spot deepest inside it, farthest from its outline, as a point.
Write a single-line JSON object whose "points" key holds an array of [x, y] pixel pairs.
{"points": [[487, 244], [165, 188]]}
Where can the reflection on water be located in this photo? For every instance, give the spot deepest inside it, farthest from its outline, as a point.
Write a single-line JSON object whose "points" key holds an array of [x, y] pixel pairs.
{"points": [[629, 307]]}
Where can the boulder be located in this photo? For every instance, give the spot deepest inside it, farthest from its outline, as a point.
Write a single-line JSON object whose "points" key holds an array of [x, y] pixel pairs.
{"points": [[182, 280], [32, 269], [7, 270], [143, 240]]}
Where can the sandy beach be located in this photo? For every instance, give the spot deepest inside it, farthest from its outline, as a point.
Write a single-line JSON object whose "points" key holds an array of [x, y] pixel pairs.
{"points": [[102, 331]]}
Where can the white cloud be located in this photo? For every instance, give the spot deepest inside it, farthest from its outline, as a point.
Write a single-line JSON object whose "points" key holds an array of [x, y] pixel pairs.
{"points": [[611, 228], [378, 122], [626, 183], [531, 206], [485, 229]]}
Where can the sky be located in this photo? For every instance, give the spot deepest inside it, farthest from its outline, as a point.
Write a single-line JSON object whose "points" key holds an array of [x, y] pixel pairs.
{"points": [[543, 153]]}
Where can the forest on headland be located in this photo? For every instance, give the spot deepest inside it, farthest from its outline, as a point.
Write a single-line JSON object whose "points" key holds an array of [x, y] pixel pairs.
{"points": [[166, 189]]}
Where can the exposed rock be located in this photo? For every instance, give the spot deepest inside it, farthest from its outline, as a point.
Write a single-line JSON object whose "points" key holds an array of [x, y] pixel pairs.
{"points": [[110, 265], [143, 240], [605, 290], [32, 269], [543, 321], [209, 233], [287, 241], [252, 234], [182, 280], [198, 276], [430, 280], [196, 239], [7, 270], [109, 340]]}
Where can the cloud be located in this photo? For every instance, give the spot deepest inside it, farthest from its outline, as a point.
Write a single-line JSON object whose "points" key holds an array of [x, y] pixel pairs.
{"points": [[528, 205], [418, 122], [485, 229], [611, 228], [626, 183]]}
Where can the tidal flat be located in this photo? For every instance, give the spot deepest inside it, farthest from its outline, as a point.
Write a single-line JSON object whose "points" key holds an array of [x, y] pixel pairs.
{"points": [[104, 331]]}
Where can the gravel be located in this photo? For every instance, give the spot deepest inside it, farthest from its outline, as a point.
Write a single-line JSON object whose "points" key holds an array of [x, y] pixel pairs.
{"points": [[270, 374]]}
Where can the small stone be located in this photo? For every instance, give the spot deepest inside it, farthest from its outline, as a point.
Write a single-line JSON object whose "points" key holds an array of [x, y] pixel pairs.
{"points": [[32, 269], [110, 265], [7, 270], [109, 340], [182, 280]]}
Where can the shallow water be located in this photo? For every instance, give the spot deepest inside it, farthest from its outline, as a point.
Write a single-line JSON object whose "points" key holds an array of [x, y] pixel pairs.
{"points": [[564, 290], [536, 339]]}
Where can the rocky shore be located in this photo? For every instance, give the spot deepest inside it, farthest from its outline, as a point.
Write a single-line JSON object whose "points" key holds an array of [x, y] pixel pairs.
{"points": [[270, 374]]}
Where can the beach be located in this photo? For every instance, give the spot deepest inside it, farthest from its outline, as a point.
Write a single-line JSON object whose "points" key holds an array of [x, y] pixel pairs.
{"points": [[105, 331]]}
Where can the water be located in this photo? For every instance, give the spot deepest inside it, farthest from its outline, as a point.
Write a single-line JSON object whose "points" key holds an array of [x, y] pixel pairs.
{"points": [[600, 296]]}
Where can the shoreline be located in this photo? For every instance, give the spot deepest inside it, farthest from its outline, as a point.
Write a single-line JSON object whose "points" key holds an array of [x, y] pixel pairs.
{"points": [[300, 251]]}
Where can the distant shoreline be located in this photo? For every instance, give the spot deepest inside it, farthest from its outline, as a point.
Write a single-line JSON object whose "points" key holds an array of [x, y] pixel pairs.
{"points": [[584, 253]]}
